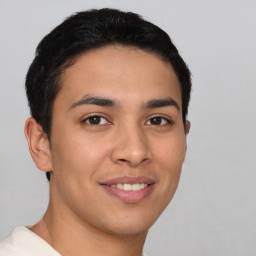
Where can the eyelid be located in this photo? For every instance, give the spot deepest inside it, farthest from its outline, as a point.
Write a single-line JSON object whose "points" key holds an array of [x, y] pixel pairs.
{"points": [[167, 119], [83, 120], [101, 115]]}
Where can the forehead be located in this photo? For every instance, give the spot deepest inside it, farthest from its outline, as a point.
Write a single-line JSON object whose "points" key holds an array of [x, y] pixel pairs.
{"points": [[119, 72]]}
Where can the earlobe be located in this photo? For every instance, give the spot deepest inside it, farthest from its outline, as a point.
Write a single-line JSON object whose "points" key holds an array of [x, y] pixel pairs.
{"points": [[38, 144]]}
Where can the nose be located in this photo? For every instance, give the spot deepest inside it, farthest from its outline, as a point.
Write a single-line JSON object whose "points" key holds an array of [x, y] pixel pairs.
{"points": [[131, 147]]}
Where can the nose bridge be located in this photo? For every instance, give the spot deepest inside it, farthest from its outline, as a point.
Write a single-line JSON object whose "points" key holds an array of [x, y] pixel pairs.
{"points": [[130, 145]]}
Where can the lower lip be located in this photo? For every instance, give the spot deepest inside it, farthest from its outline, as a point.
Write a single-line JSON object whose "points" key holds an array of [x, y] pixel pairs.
{"points": [[130, 196]]}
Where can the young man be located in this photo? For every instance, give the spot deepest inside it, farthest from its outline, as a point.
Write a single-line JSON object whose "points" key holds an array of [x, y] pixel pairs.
{"points": [[109, 95]]}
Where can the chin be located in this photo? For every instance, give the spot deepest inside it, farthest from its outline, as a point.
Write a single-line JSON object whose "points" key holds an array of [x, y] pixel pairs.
{"points": [[128, 224], [129, 230]]}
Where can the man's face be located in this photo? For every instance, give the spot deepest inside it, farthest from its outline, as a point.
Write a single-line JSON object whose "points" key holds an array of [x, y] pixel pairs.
{"points": [[116, 120]]}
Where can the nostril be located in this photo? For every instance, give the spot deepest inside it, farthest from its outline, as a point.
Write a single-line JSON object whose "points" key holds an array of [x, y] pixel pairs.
{"points": [[123, 160]]}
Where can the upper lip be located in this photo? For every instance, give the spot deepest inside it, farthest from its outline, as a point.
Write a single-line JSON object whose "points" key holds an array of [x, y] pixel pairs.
{"points": [[128, 180]]}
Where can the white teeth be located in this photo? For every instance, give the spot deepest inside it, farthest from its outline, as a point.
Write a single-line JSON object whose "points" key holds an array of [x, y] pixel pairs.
{"points": [[136, 187], [143, 186], [127, 187], [130, 187], [120, 186]]}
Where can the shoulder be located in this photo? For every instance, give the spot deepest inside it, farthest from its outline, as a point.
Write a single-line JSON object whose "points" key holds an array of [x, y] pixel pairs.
{"points": [[23, 242], [10, 246]]}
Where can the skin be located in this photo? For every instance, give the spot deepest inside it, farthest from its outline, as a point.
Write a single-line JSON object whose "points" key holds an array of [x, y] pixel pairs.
{"points": [[125, 141]]}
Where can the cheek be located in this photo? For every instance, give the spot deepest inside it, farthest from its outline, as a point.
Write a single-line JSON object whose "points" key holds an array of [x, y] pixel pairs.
{"points": [[170, 156], [171, 151], [76, 161], [78, 156]]}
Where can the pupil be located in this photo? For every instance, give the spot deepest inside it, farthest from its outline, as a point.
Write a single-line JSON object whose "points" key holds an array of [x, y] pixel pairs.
{"points": [[94, 119], [156, 120]]}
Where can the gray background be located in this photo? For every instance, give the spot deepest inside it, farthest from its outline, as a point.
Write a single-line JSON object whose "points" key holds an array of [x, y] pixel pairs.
{"points": [[214, 211]]}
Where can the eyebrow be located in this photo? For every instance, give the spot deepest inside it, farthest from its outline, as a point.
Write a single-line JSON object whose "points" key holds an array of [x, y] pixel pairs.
{"points": [[90, 100], [159, 103], [106, 102]]}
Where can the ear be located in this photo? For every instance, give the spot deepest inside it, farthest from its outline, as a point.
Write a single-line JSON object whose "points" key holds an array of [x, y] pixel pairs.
{"points": [[187, 127], [38, 144]]}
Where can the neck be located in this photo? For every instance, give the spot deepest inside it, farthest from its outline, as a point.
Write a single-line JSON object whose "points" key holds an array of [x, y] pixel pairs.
{"points": [[69, 235]]}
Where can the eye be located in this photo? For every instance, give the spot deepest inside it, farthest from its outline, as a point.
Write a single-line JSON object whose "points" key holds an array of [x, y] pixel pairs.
{"points": [[95, 120], [158, 120]]}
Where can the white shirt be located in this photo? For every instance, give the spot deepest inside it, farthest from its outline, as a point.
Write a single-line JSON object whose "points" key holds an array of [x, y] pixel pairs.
{"points": [[24, 242]]}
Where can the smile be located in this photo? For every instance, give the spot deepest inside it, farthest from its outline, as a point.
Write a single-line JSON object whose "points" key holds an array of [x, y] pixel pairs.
{"points": [[129, 189]]}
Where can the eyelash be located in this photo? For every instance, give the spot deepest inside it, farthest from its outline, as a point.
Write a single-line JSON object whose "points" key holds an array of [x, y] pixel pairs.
{"points": [[161, 119], [98, 119]]}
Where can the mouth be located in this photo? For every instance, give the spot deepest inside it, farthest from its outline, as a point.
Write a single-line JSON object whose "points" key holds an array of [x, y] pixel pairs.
{"points": [[129, 189]]}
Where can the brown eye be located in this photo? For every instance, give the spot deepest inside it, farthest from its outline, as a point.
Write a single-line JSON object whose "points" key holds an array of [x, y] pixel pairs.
{"points": [[158, 120], [96, 120]]}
